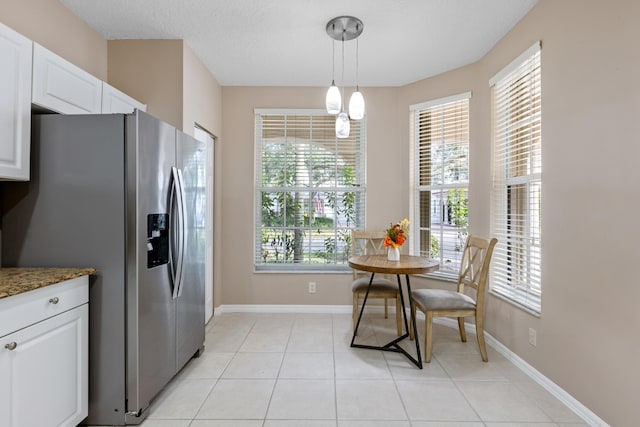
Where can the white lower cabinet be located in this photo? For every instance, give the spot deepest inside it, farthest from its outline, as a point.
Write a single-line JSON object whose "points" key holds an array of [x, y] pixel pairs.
{"points": [[44, 366]]}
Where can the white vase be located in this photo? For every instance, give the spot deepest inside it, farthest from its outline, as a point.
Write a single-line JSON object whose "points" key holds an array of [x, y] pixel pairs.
{"points": [[393, 254]]}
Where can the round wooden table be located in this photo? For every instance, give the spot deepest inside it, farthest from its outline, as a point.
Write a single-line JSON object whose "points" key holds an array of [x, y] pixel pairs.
{"points": [[407, 265]]}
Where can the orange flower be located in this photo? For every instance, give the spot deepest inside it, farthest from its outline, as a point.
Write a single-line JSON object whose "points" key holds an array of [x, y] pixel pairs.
{"points": [[396, 234]]}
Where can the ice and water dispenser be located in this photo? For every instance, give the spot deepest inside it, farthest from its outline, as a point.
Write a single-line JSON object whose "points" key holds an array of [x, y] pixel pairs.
{"points": [[157, 240]]}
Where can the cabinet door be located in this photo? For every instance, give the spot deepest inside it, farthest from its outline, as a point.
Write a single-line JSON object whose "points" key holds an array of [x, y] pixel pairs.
{"points": [[115, 101], [15, 104], [44, 372], [60, 86]]}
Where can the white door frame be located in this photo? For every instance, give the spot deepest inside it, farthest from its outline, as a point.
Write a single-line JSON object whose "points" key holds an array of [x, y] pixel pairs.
{"points": [[207, 137]]}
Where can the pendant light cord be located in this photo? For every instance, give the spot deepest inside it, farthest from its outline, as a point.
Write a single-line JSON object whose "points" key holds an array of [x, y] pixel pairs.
{"points": [[357, 64], [342, 100], [333, 62]]}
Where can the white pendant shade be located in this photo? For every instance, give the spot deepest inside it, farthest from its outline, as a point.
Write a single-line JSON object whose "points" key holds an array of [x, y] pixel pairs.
{"points": [[344, 28], [343, 126], [356, 105], [334, 100]]}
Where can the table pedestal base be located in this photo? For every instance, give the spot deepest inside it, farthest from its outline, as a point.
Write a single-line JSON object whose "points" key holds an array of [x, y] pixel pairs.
{"points": [[393, 345]]}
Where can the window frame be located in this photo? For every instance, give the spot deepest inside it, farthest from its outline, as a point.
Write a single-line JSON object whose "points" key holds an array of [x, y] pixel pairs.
{"points": [[341, 232], [516, 90], [418, 188]]}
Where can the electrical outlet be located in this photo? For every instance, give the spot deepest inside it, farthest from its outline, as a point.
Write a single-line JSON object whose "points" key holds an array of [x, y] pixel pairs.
{"points": [[312, 287], [532, 337]]}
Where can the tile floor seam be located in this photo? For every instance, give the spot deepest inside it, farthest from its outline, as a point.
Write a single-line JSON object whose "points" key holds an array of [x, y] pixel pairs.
{"points": [[529, 399], [540, 407], [204, 400], [195, 416], [275, 382], [404, 404], [473, 408], [333, 357]]}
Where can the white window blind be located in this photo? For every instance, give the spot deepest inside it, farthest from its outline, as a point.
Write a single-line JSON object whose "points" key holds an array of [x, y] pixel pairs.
{"points": [[517, 181], [310, 190], [440, 179]]}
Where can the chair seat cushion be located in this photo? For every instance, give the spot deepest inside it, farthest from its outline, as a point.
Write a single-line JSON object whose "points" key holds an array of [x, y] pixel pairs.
{"points": [[439, 299], [379, 284]]}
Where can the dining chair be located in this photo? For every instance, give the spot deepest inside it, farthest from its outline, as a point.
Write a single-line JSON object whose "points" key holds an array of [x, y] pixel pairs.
{"points": [[372, 243], [474, 269]]}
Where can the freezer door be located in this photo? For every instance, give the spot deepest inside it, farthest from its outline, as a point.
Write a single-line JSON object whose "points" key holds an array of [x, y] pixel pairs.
{"points": [[192, 156], [151, 309]]}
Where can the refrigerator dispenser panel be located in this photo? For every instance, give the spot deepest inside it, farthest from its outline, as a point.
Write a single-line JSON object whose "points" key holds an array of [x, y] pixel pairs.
{"points": [[157, 240]]}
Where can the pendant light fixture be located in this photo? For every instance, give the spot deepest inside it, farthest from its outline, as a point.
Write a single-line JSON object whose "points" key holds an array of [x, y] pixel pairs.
{"points": [[333, 100], [343, 125], [356, 102], [344, 28]]}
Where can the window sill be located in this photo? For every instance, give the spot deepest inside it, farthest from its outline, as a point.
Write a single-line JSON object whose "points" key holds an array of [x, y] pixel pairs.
{"points": [[439, 277], [517, 304], [278, 269]]}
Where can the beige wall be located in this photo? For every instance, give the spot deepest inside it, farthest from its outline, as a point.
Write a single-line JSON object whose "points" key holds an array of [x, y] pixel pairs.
{"points": [[586, 334], [590, 178], [240, 284], [168, 77], [202, 96], [53, 26], [151, 71]]}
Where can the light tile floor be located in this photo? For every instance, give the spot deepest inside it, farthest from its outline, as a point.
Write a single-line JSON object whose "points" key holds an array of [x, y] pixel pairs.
{"points": [[298, 370]]}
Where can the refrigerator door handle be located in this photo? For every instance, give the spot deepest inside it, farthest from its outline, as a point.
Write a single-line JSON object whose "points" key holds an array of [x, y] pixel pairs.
{"points": [[172, 196], [175, 231], [183, 228]]}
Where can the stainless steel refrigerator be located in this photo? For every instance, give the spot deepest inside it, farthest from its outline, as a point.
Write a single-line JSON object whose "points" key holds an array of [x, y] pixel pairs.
{"points": [[124, 193]]}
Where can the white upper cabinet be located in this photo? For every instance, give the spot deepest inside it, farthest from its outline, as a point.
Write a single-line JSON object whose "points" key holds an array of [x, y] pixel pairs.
{"points": [[60, 86], [115, 101], [15, 104]]}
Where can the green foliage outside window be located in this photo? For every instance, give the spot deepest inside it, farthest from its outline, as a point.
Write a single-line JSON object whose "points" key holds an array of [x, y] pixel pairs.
{"points": [[457, 202], [288, 216]]}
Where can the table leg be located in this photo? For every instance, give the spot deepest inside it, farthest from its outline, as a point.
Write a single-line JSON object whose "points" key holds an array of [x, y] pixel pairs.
{"points": [[413, 320], [404, 313], [364, 302]]}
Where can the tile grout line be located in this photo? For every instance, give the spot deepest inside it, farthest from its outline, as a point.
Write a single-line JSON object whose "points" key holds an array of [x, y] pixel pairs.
{"points": [[333, 357], [395, 384], [275, 383], [220, 377]]}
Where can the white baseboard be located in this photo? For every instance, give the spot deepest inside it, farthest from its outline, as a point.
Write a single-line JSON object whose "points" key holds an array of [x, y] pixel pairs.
{"points": [[283, 308], [578, 408]]}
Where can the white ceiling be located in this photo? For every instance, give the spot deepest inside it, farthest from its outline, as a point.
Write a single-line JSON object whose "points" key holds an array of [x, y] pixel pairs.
{"points": [[284, 42]]}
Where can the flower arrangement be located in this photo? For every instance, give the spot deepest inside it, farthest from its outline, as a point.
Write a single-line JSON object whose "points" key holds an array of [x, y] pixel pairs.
{"points": [[397, 234]]}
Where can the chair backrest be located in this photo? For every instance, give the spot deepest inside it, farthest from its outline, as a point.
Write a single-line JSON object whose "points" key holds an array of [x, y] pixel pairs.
{"points": [[367, 243], [474, 267]]}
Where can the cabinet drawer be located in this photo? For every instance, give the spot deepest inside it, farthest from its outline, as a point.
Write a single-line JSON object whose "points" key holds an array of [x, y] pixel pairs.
{"points": [[25, 309]]}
